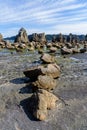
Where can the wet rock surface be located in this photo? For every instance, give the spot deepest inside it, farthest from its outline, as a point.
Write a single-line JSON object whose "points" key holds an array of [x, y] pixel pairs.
{"points": [[70, 114]]}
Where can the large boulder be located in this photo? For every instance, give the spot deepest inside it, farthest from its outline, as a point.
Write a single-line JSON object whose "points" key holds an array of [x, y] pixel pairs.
{"points": [[40, 102], [46, 58], [22, 36], [45, 82]]}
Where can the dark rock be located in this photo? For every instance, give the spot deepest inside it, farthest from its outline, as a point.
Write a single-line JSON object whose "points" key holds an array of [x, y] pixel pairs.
{"points": [[33, 73]]}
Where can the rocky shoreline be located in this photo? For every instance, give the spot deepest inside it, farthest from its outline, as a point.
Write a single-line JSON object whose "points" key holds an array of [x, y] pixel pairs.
{"points": [[70, 44], [70, 112]]}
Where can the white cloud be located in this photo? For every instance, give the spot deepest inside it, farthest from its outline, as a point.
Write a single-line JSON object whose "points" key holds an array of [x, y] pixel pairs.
{"points": [[40, 13]]}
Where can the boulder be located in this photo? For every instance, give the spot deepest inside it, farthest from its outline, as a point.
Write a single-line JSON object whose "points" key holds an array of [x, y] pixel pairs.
{"points": [[8, 45], [45, 82], [65, 50], [46, 58], [22, 36], [40, 102], [56, 45], [68, 45], [40, 51], [31, 48], [22, 46], [49, 45], [51, 70], [83, 50], [75, 50], [2, 44], [53, 49], [33, 73]]}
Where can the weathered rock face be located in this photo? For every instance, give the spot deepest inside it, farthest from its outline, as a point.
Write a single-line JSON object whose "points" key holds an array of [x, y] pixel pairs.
{"points": [[47, 58], [41, 101], [45, 82], [22, 36], [39, 38]]}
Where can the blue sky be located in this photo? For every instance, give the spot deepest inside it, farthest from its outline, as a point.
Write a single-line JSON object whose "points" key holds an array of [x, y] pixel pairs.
{"points": [[49, 16]]}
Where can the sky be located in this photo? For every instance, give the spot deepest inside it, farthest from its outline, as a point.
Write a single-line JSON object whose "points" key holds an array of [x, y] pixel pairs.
{"points": [[49, 16]]}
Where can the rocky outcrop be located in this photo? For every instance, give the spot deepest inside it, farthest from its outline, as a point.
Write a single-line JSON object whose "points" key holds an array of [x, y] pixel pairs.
{"points": [[39, 38], [22, 36], [40, 102]]}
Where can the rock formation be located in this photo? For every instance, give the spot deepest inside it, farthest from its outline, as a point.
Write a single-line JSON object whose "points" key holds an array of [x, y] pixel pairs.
{"points": [[39, 38], [50, 70], [40, 102], [46, 58], [44, 80], [22, 36]]}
